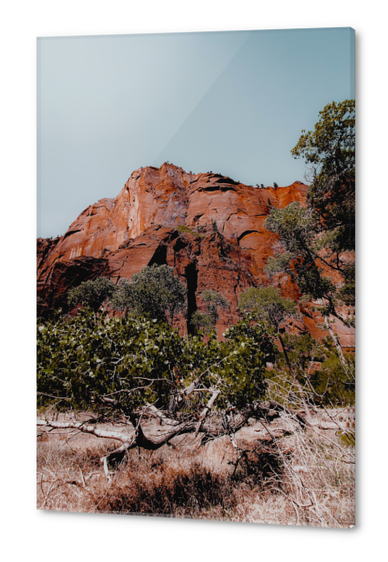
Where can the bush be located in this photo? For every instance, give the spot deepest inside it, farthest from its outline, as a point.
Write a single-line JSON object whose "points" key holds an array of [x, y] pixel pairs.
{"points": [[154, 290], [184, 228], [266, 304], [333, 385], [202, 321], [92, 293], [142, 361], [330, 385], [207, 321]]}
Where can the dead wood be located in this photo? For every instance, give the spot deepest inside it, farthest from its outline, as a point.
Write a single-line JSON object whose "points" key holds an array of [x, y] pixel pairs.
{"points": [[211, 427]]}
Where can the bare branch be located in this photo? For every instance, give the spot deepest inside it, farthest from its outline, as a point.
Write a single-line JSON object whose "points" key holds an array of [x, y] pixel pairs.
{"points": [[84, 428], [207, 409]]}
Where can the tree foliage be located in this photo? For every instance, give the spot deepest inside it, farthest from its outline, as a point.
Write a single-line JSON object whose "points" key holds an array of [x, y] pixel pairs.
{"points": [[332, 385], [299, 258], [154, 290], [121, 364], [317, 373], [202, 321], [207, 321], [267, 305], [92, 293], [329, 151], [315, 239]]}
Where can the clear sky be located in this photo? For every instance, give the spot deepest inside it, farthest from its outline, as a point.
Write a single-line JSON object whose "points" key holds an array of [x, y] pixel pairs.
{"points": [[230, 102]]}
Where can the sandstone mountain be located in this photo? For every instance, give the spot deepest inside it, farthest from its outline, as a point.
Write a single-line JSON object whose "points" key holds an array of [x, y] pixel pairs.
{"points": [[208, 227]]}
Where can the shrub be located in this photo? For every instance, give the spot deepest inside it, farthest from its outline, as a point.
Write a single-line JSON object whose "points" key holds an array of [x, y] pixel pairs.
{"points": [[142, 361], [184, 228], [154, 290], [207, 321], [266, 304], [92, 293], [333, 385]]}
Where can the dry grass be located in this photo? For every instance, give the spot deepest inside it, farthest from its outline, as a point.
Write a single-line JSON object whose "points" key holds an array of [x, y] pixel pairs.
{"points": [[302, 480], [315, 489]]}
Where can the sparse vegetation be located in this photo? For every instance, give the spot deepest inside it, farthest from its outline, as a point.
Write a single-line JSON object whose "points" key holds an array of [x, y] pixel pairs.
{"points": [[304, 484], [184, 228], [330, 383]]}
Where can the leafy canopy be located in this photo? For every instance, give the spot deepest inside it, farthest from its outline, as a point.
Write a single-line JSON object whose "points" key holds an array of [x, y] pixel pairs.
{"points": [[315, 239], [207, 320], [330, 385], [154, 290], [297, 231], [88, 360], [329, 151], [267, 305], [92, 293]]}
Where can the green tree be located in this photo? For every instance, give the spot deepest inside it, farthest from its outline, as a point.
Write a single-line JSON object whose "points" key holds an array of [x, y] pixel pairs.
{"points": [[138, 361], [317, 376], [207, 320], [298, 232], [329, 152], [154, 290], [315, 239], [333, 385], [202, 321], [267, 305], [91, 293]]}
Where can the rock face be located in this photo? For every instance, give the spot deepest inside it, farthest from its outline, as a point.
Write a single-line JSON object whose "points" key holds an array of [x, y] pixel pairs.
{"points": [[207, 226]]}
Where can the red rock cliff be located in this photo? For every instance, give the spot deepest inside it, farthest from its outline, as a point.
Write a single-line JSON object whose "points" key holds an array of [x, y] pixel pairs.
{"points": [[165, 215]]}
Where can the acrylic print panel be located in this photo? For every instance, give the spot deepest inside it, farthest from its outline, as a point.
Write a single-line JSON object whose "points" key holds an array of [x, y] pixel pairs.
{"points": [[196, 275]]}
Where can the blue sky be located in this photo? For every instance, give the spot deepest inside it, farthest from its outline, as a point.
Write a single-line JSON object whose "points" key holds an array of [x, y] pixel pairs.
{"points": [[230, 102]]}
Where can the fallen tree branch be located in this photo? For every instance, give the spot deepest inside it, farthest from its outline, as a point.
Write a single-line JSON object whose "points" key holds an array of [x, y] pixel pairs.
{"points": [[206, 410], [84, 428], [151, 409], [212, 428]]}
